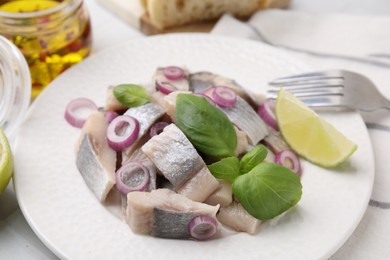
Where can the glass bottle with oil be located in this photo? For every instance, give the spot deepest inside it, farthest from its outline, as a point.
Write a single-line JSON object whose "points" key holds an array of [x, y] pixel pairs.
{"points": [[52, 35]]}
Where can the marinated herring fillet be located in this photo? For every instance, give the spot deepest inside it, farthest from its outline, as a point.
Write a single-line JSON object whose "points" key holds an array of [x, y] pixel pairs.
{"points": [[236, 217], [112, 103], [178, 160], [223, 196], [274, 141], [174, 155], [146, 116], [95, 160], [199, 81], [140, 157], [161, 80], [163, 213], [247, 120], [169, 103], [200, 186]]}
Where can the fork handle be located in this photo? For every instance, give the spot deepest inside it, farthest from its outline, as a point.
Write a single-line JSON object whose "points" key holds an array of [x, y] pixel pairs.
{"points": [[383, 104]]}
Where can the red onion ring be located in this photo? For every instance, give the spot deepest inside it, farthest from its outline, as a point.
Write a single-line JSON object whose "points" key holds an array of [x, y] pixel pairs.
{"points": [[110, 115], [173, 73], [157, 128], [224, 96], [122, 132], [74, 108], [165, 87], [208, 92], [203, 227], [209, 99], [132, 176], [267, 112], [289, 159]]}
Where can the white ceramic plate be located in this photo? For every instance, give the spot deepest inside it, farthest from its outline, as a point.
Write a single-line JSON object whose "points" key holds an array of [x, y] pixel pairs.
{"points": [[74, 225]]}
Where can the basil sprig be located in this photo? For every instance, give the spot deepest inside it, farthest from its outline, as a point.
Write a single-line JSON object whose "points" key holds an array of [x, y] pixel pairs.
{"points": [[265, 190], [131, 95], [207, 128], [230, 168], [252, 158], [227, 169]]}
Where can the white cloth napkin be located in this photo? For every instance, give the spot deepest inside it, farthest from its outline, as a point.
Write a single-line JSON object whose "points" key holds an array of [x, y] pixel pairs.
{"points": [[334, 41]]}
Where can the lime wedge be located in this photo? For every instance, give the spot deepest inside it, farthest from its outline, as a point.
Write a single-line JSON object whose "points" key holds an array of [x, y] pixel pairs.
{"points": [[308, 134], [6, 161]]}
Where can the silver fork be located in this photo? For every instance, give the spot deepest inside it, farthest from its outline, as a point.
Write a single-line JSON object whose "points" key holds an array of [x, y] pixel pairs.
{"points": [[334, 88]]}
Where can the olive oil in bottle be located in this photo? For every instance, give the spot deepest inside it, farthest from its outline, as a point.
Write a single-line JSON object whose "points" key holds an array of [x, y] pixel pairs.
{"points": [[52, 35]]}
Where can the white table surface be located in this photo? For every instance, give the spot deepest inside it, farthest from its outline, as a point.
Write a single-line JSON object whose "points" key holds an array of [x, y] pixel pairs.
{"points": [[17, 240]]}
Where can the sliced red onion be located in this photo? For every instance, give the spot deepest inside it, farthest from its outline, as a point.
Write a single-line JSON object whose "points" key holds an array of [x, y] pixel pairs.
{"points": [[110, 115], [203, 227], [208, 92], [165, 87], [157, 128], [132, 176], [224, 96], [210, 100], [289, 159], [78, 110], [122, 132], [173, 73], [267, 113]]}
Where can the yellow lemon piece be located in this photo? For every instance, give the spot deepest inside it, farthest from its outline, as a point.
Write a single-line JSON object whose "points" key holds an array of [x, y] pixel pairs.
{"points": [[6, 162], [308, 134]]}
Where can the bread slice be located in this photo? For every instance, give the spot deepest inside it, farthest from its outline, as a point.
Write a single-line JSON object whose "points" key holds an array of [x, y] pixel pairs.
{"points": [[167, 16], [164, 14]]}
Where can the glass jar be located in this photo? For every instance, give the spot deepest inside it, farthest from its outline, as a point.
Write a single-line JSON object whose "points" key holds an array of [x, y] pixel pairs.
{"points": [[52, 35], [15, 86]]}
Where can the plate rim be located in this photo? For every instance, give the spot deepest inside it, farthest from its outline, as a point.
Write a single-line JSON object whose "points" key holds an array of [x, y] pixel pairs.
{"points": [[23, 207]]}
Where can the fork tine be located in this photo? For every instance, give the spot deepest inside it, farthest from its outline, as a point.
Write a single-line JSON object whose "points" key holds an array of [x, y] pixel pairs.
{"points": [[307, 77], [291, 86], [318, 101], [321, 93]]}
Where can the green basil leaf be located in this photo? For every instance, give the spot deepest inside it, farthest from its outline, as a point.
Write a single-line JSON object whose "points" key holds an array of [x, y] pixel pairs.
{"points": [[131, 95], [268, 190], [227, 169], [251, 159], [208, 128]]}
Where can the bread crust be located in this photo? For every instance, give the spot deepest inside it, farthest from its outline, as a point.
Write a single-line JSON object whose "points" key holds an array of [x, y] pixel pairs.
{"points": [[164, 14]]}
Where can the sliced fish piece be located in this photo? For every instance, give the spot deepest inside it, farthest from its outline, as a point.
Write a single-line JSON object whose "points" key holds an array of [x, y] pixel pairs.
{"points": [[146, 115], [140, 157], [200, 186], [237, 218], [247, 120], [274, 141], [201, 80], [242, 142], [112, 104], [174, 155], [169, 103], [223, 196], [270, 156], [163, 213], [95, 160], [181, 84], [158, 98], [171, 224]]}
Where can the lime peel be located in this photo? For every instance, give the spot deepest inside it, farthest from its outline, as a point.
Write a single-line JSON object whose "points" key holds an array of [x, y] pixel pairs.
{"points": [[6, 162], [308, 134]]}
